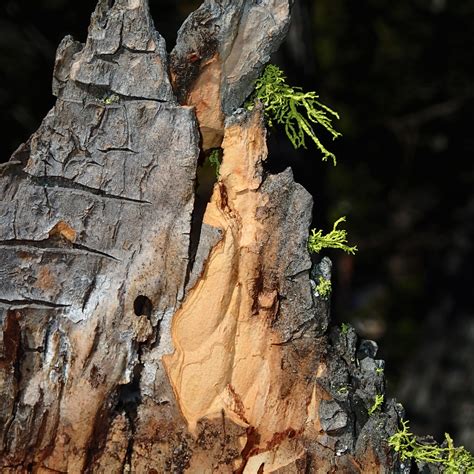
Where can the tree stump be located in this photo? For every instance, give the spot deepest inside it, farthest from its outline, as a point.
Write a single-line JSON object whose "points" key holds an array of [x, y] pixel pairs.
{"points": [[151, 326]]}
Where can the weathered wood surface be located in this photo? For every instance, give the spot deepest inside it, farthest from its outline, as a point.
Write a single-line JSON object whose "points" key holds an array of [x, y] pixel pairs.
{"points": [[136, 338]]}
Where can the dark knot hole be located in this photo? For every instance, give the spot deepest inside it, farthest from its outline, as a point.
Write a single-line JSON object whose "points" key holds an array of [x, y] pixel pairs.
{"points": [[142, 306]]}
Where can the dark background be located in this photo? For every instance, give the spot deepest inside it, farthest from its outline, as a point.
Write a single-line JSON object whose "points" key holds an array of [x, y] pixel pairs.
{"points": [[399, 74]]}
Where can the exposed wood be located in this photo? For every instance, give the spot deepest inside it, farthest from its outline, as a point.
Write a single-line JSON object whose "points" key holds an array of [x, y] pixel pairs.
{"points": [[136, 338]]}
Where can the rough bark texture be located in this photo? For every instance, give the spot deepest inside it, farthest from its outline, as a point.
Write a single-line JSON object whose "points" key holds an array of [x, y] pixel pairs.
{"points": [[137, 337]]}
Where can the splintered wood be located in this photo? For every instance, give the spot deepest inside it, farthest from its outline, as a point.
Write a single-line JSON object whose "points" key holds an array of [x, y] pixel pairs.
{"points": [[227, 357]]}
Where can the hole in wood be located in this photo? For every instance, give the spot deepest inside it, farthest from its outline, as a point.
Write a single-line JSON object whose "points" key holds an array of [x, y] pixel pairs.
{"points": [[142, 306]]}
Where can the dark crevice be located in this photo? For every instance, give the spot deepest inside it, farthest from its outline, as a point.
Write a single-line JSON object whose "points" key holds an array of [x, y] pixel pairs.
{"points": [[296, 275], [15, 353], [134, 51], [33, 302], [111, 57], [154, 342], [133, 97], [60, 182], [37, 350], [99, 434], [256, 289], [56, 471], [108, 58], [51, 327], [206, 178], [128, 454], [127, 150], [309, 464], [43, 425], [88, 292], [55, 245], [129, 396], [94, 251], [95, 94], [129, 399]]}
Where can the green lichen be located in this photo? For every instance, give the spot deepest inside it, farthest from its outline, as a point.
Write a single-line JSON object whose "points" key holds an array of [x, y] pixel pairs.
{"points": [[296, 110], [214, 160], [345, 328], [111, 99], [323, 288], [376, 405], [454, 460], [336, 239]]}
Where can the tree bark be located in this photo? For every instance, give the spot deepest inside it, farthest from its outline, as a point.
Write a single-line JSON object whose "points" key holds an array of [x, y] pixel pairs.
{"points": [[149, 325]]}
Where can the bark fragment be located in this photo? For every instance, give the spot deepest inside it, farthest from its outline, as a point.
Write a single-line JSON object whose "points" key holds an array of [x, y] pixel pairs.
{"points": [[85, 225], [220, 51]]}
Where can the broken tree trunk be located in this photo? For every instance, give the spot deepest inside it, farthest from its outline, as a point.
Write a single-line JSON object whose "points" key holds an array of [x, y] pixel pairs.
{"points": [[148, 327]]}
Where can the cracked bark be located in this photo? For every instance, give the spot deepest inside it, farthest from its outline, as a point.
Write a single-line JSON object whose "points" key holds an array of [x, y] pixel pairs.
{"points": [[131, 342]]}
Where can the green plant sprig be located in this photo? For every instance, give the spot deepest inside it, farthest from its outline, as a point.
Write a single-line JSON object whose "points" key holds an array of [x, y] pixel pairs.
{"points": [[214, 160], [296, 110], [323, 288], [455, 460], [376, 405], [345, 328], [336, 239]]}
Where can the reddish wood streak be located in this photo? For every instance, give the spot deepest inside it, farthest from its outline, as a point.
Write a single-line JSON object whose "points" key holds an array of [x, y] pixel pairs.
{"points": [[239, 405], [224, 197], [193, 57], [253, 438]]}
